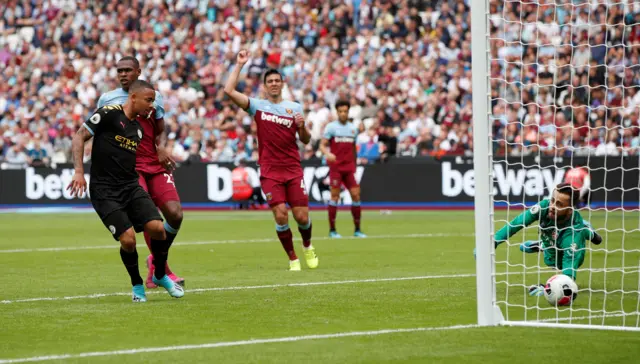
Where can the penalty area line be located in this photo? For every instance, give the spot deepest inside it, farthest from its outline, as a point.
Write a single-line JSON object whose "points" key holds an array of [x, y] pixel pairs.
{"points": [[241, 288], [234, 343]]}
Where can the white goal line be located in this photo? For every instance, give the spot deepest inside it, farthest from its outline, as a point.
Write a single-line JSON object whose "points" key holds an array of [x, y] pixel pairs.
{"points": [[236, 241]]}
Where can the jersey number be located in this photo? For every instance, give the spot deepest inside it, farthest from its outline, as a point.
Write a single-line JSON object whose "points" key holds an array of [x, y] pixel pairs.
{"points": [[304, 188], [169, 179]]}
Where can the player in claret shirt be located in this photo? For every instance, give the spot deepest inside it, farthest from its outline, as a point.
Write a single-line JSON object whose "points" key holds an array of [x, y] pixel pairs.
{"points": [[339, 147], [280, 123]]}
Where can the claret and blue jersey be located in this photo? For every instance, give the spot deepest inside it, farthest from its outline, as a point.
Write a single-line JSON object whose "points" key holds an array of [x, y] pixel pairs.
{"points": [[277, 141], [342, 139]]}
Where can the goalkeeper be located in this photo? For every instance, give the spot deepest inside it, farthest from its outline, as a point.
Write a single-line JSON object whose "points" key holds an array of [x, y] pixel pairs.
{"points": [[563, 232]]}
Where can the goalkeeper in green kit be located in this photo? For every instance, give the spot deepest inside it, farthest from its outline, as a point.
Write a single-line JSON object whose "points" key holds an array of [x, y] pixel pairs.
{"points": [[563, 232]]}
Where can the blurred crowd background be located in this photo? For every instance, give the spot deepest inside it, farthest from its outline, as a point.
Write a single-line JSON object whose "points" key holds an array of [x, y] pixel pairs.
{"points": [[565, 74]]}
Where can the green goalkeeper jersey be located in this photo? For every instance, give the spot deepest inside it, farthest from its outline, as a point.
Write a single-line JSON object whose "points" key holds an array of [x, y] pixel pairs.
{"points": [[574, 229]]}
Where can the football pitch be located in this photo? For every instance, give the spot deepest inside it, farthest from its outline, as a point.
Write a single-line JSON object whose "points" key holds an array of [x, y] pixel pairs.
{"points": [[407, 293]]}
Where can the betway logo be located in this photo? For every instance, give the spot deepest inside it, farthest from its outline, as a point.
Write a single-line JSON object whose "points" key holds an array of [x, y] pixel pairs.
{"points": [[531, 182], [343, 140], [276, 119], [53, 186]]}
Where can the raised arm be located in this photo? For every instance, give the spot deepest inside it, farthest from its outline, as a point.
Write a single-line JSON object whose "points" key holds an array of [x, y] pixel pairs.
{"points": [[238, 98]]}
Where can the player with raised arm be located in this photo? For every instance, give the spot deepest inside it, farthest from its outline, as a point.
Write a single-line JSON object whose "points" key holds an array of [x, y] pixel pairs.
{"points": [[339, 148], [563, 232], [281, 176], [153, 161], [123, 206]]}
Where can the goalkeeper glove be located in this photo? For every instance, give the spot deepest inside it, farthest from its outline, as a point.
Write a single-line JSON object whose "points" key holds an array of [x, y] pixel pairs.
{"points": [[536, 290], [530, 247], [596, 239]]}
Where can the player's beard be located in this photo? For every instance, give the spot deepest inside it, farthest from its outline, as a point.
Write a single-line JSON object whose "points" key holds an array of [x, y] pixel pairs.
{"points": [[557, 218], [275, 91]]}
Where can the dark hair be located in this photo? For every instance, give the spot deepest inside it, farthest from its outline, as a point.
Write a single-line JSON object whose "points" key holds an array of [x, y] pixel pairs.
{"points": [[132, 59], [140, 85], [341, 103], [569, 190], [271, 71]]}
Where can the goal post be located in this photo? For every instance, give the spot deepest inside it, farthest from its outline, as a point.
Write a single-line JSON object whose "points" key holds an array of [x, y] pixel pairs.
{"points": [[551, 94], [488, 312]]}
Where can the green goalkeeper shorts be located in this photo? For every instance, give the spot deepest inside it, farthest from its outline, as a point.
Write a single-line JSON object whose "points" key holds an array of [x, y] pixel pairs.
{"points": [[567, 254]]}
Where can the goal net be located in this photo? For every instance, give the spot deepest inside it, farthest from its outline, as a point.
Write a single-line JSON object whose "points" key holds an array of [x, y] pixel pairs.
{"points": [[557, 99]]}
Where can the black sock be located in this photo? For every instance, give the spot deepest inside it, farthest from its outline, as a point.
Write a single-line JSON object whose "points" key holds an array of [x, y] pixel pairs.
{"points": [[170, 238], [160, 250], [171, 234], [130, 261]]}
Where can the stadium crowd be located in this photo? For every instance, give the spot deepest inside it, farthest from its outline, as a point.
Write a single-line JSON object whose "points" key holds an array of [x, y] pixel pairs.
{"points": [[564, 75]]}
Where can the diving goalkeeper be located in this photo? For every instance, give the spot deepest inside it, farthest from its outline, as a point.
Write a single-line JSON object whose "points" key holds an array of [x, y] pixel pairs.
{"points": [[563, 232]]}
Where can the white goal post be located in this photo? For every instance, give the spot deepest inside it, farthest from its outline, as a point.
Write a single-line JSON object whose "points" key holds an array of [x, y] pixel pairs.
{"points": [[534, 158], [488, 312]]}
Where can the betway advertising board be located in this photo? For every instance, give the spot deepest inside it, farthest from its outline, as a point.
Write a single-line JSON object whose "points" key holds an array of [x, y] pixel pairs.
{"points": [[400, 183]]}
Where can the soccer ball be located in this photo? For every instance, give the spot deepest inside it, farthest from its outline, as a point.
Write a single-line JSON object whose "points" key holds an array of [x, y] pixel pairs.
{"points": [[560, 290]]}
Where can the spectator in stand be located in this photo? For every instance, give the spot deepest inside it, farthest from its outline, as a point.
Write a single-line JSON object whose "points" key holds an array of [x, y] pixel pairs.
{"points": [[405, 66], [368, 147], [16, 157], [37, 156]]}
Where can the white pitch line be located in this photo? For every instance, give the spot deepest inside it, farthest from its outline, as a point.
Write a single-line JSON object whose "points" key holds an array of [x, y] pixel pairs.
{"points": [[233, 343], [582, 318], [234, 241], [240, 288]]}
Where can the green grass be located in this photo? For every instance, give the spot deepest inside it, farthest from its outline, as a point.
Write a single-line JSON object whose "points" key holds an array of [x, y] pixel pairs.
{"points": [[245, 293]]}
